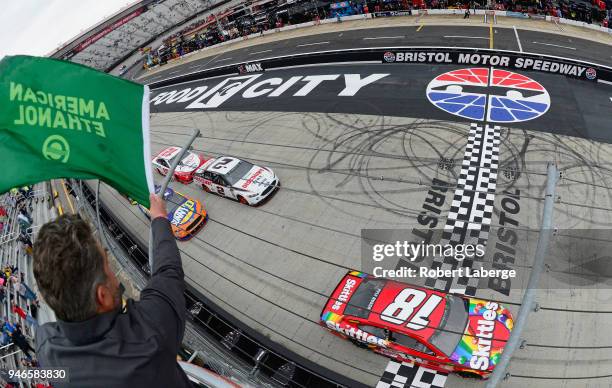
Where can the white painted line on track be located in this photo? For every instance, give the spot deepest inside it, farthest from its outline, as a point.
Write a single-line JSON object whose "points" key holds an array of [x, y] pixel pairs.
{"points": [[224, 59], [322, 64], [466, 37], [384, 37], [311, 44], [555, 45], [605, 82], [259, 52], [174, 72], [518, 41]]}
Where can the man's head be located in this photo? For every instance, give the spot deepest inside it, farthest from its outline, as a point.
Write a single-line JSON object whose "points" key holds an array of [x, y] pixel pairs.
{"points": [[72, 270]]}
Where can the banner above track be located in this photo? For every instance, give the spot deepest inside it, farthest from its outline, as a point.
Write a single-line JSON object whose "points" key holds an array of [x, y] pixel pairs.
{"points": [[510, 61]]}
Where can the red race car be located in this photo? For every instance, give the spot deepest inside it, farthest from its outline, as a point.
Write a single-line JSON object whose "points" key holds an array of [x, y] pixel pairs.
{"points": [[444, 332], [186, 167]]}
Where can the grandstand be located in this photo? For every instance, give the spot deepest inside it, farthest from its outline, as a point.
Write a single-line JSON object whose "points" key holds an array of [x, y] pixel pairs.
{"points": [[17, 307], [148, 23], [136, 26]]}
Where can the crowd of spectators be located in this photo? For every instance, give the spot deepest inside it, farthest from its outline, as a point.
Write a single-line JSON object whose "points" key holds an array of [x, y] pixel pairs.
{"points": [[157, 17], [224, 25], [19, 304]]}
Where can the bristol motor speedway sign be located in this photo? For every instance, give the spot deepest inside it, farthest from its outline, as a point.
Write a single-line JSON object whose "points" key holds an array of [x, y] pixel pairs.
{"points": [[510, 61]]}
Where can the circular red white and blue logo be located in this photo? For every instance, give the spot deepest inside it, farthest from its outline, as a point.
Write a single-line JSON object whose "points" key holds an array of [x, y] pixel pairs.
{"points": [[495, 95], [591, 73], [389, 56]]}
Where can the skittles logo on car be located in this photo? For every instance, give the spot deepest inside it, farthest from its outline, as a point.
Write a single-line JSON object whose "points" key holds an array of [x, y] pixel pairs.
{"points": [[489, 327]]}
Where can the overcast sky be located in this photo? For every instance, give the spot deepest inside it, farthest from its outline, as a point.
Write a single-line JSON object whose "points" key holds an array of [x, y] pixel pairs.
{"points": [[36, 27]]}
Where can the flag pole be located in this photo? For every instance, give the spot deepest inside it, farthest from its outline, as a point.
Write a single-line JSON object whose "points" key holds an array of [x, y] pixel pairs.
{"points": [[165, 182]]}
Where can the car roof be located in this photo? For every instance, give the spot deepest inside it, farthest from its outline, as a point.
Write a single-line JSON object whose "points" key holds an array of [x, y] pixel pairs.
{"points": [[224, 169], [387, 296], [169, 153]]}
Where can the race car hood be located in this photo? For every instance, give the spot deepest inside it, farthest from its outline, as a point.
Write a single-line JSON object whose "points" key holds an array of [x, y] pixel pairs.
{"points": [[488, 329], [256, 180], [332, 318], [183, 215], [343, 292], [189, 163]]}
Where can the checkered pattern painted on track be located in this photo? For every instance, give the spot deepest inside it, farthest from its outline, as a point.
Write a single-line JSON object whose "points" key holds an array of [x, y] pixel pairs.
{"points": [[407, 374], [469, 218], [468, 222]]}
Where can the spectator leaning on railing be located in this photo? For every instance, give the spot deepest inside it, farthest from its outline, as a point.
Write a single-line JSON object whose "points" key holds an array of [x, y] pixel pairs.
{"points": [[101, 343]]}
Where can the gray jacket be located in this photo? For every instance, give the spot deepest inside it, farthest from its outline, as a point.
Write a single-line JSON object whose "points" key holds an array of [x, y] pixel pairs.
{"points": [[133, 348]]}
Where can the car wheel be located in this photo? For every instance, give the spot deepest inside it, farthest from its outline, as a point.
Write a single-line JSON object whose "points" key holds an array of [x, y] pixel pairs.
{"points": [[243, 201], [359, 344], [470, 375]]}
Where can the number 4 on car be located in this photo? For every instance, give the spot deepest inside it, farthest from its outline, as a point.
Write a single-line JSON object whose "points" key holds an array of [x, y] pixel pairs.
{"points": [[237, 179], [444, 332]]}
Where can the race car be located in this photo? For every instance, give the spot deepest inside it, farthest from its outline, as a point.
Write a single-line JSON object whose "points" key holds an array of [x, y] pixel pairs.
{"points": [[237, 179], [444, 332], [187, 216], [186, 167]]}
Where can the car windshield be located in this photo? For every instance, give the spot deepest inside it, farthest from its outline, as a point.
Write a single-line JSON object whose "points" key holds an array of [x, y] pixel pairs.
{"points": [[364, 297], [173, 201], [194, 161], [452, 325], [238, 172], [170, 160]]}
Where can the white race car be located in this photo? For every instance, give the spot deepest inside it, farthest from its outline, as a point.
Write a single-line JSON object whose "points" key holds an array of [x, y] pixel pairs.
{"points": [[237, 179], [186, 167]]}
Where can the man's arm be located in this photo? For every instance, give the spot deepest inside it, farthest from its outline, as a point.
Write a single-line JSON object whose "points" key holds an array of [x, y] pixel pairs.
{"points": [[163, 300]]}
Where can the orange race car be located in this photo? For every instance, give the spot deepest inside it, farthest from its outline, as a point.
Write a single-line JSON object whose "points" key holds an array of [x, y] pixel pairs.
{"points": [[187, 216]]}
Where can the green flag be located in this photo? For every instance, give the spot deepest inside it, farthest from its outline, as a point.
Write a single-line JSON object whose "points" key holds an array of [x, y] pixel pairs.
{"points": [[63, 120]]}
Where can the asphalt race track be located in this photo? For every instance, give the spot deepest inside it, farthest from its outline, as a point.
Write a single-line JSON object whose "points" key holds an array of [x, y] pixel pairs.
{"points": [[402, 92], [352, 158]]}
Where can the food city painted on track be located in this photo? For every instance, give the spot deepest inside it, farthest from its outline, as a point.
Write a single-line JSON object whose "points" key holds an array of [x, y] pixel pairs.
{"points": [[440, 92]]}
